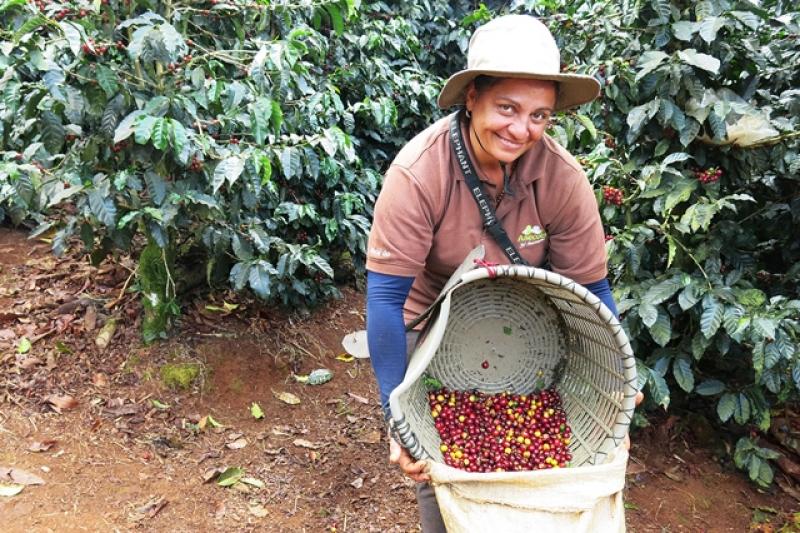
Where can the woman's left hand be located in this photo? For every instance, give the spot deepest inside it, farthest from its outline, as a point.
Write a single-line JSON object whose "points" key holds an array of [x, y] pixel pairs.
{"points": [[627, 441]]}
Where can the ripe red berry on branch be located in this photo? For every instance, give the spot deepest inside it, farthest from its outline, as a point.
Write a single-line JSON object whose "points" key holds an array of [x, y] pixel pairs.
{"points": [[612, 195]]}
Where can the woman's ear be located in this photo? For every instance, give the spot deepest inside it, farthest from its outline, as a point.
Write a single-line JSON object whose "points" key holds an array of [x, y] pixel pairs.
{"points": [[470, 95]]}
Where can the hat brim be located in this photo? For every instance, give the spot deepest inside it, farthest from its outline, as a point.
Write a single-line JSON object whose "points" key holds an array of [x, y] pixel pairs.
{"points": [[573, 89]]}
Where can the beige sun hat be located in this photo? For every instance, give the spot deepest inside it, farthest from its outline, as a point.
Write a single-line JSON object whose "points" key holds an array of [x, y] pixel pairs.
{"points": [[518, 46]]}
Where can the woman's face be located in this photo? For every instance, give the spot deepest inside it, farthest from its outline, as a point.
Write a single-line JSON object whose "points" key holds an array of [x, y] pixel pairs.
{"points": [[509, 117]]}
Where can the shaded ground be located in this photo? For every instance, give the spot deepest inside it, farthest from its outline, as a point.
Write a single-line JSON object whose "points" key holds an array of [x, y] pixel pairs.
{"points": [[118, 451]]}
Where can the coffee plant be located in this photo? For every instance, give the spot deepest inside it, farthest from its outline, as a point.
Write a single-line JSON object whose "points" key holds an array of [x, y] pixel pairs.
{"points": [[249, 137], [239, 135], [693, 149]]}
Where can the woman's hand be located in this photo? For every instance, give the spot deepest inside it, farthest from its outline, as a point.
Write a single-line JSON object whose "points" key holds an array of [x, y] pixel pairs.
{"points": [[416, 470], [627, 441]]}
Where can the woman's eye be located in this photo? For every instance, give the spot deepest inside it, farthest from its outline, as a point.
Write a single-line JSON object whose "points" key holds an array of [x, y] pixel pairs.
{"points": [[506, 108], [540, 117]]}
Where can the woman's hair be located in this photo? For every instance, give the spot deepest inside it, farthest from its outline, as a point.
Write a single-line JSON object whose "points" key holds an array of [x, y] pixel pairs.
{"points": [[484, 82]]}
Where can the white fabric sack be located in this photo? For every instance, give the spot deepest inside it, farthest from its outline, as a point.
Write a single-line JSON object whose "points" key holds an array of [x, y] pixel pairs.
{"points": [[575, 500]]}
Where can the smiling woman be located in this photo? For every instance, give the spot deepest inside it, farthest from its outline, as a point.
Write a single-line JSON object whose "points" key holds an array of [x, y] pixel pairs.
{"points": [[486, 176]]}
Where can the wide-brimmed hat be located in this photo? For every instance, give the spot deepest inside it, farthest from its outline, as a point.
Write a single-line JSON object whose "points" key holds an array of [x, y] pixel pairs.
{"points": [[518, 46]]}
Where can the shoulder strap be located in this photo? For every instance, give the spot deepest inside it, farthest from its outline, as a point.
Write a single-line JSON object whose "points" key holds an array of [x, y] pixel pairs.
{"points": [[490, 221]]}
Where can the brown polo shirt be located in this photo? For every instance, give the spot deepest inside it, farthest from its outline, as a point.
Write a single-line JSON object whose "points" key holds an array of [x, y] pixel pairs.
{"points": [[427, 221]]}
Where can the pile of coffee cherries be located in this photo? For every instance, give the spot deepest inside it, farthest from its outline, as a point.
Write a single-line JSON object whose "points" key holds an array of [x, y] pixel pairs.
{"points": [[501, 432]]}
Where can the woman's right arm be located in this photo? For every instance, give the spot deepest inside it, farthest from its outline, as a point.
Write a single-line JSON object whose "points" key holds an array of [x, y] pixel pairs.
{"points": [[386, 331], [386, 337]]}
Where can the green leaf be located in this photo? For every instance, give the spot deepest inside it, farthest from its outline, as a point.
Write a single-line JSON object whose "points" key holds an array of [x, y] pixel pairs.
{"points": [[107, 80], [24, 345], [710, 387], [684, 29], [179, 140], [260, 279], [659, 390], [262, 111], [73, 36], [156, 186], [726, 406], [161, 133], [696, 59], [741, 410], [291, 163], [8, 4], [256, 411], [648, 313], [663, 290], [128, 125], [52, 132], [711, 318], [229, 170], [230, 476], [709, 27], [144, 129], [277, 118], [661, 330], [682, 370], [649, 61], [103, 208], [336, 18], [588, 124], [681, 191]]}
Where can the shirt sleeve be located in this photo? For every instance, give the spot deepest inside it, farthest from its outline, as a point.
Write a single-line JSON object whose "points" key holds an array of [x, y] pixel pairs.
{"points": [[402, 226], [602, 289], [577, 244], [386, 334]]}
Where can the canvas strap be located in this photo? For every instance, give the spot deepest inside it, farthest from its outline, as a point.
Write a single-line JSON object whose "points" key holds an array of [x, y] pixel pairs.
{"points": [[490, 221]]}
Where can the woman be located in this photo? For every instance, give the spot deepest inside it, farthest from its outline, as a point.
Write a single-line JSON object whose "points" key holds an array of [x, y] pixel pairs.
{"points": [[427, 217]]}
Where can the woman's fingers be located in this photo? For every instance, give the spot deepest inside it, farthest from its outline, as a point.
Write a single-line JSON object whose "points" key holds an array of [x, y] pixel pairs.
{"points": [[639, 398], [416, 470]]}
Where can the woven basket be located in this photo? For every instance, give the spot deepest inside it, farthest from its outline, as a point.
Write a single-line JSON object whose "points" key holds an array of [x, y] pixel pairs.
{"points": [[536, 329]]}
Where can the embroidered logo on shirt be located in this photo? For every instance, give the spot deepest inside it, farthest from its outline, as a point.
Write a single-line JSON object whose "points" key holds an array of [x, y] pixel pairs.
{"points": [[531, 235], [379, 252]]}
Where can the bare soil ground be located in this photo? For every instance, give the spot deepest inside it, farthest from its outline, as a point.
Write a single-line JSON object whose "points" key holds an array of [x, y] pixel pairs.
{"points": [[117, 450]]}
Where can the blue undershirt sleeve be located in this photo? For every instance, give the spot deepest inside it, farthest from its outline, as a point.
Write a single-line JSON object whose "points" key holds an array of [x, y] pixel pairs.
{"points": [[386, 331], [602, 289]]}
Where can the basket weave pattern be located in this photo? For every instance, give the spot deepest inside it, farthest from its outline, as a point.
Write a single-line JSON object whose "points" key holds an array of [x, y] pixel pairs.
{"points": [[535, 329]]}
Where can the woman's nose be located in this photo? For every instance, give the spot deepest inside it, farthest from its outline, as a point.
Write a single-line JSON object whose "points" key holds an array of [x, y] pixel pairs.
{"points": [[519, 129]]}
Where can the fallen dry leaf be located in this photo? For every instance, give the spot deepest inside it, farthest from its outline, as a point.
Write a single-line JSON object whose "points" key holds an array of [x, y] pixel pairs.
{"points": [[62, 402], [19, 477], [303, 443], [258, 510], [99, 380], [373, 437], [238, 444], [212, 473], [358, 482], [7, 334], [149, 509], [41, 446], [90, 318], [359, 399], [287, 397], [106, 333], [10, 490], [220, 510]]}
